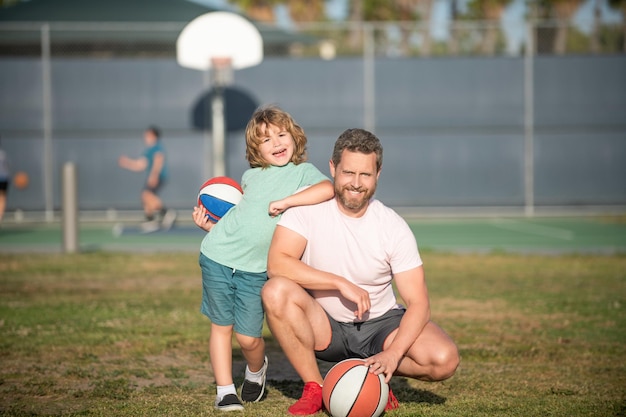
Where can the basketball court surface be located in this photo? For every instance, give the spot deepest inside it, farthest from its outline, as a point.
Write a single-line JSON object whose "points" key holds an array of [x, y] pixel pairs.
{"points": [[597, 235]]}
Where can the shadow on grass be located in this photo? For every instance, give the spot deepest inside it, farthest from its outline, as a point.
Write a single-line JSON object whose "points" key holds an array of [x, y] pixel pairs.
{"points": [[405, 393], [283, 377], [290, 389], [400, 387]]}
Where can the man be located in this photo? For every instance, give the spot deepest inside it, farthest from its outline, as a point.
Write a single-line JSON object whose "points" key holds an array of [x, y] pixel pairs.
{"points": [[330, 291], [153, 163]]}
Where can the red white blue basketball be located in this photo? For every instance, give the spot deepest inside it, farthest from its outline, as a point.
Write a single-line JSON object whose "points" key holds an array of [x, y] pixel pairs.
{"points": [[218, 195], [350, 390]]}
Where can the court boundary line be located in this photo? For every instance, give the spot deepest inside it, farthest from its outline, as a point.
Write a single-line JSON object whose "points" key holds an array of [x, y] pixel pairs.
{"points": [[533, 229]]}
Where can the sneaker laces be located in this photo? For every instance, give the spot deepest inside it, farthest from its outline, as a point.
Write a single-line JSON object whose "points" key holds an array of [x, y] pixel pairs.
{"points": [[311, 391]]}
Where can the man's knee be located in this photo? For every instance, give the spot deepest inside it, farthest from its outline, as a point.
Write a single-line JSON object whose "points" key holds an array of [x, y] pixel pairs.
{"points": [[274, 293], [447, 361]]}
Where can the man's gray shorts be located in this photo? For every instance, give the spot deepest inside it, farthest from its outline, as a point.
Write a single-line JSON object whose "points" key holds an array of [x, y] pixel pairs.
{"points": [[359, 340]]}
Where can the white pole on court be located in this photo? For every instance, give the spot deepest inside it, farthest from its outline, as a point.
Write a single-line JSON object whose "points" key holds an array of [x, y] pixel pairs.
{"points": [[47, 122], [529, 122], [70, 208], [369, 79]]}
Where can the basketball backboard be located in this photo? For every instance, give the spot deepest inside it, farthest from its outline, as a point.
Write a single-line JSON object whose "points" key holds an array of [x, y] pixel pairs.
{"points": [[219, 35]]}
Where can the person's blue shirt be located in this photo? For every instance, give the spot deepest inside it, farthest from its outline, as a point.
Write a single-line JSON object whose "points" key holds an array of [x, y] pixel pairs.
{"points": [[150, 153]]}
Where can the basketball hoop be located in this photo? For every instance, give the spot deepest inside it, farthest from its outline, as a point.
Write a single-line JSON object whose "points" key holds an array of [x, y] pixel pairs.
{"points": [[219, 42], [221, 35], [221, 71]]}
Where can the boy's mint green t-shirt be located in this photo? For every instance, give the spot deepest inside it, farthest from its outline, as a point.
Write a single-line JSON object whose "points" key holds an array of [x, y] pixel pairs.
{"points": [[241, 239]]}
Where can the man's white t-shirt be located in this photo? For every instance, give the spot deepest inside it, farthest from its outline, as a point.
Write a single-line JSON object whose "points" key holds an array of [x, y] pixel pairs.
{"points": [[366, 250]]}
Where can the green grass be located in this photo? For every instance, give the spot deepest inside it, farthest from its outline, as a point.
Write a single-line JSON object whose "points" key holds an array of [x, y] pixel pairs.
{"points": [[102, 334]]}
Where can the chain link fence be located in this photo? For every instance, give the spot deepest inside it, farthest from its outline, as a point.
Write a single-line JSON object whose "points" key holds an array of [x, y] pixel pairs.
{"points": [[381, 64], [322, 40]]}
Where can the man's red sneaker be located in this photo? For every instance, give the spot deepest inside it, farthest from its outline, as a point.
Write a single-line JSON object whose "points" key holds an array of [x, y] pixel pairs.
{"points": [[310, 402], [392, 402]]}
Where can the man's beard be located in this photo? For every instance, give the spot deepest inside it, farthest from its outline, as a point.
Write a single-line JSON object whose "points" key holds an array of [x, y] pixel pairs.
{"points": [[354, 203]]}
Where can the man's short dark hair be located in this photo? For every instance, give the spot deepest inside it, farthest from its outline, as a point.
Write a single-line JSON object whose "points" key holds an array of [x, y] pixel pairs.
{"points": [[358, 140]]}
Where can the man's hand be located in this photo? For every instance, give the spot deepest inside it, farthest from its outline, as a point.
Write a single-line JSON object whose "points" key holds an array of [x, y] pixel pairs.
{"points": [[358, 296], [384, 363]]}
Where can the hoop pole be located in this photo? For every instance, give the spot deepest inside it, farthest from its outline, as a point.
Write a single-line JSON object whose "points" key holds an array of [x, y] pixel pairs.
{"points": [[207, 135], [529, 121], [221, 72], [217, 107]]}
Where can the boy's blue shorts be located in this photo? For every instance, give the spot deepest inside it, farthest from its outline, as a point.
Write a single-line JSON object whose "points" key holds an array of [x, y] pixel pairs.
{"points": [[232, 297]]}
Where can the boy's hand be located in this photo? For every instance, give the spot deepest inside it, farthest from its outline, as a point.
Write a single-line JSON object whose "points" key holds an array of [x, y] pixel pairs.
{"points": [[277, 207], [201, 219]]}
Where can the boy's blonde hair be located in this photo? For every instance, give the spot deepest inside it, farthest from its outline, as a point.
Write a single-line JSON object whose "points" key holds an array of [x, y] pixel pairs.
{"points": [[256, 130]]}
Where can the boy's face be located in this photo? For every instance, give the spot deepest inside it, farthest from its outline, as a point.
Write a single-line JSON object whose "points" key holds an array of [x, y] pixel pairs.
{"points": [[276, 146]]}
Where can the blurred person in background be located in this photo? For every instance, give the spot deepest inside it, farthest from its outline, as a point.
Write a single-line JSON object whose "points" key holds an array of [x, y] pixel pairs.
{"points": [[153, 162], [5, 179]]}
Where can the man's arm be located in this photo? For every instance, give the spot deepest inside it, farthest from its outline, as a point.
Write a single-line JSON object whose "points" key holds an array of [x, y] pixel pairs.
{"points": [[283, 260], [412, 289]]}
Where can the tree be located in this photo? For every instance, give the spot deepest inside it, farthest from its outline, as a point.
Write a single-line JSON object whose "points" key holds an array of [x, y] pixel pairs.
{"points": [[490, 11], [403, 11], [562, 10], [261, 10], [7, 3], [595, 42], [425, 8], [306, 10], [621, 5]]}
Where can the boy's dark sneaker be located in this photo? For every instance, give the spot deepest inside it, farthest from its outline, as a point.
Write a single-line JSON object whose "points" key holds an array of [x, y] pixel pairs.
{"points": [[252, 392], [230, 402]]}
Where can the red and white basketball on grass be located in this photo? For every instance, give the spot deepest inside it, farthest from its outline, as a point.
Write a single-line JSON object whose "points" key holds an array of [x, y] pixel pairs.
{"points": [[350, 390], [218, 195]]}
